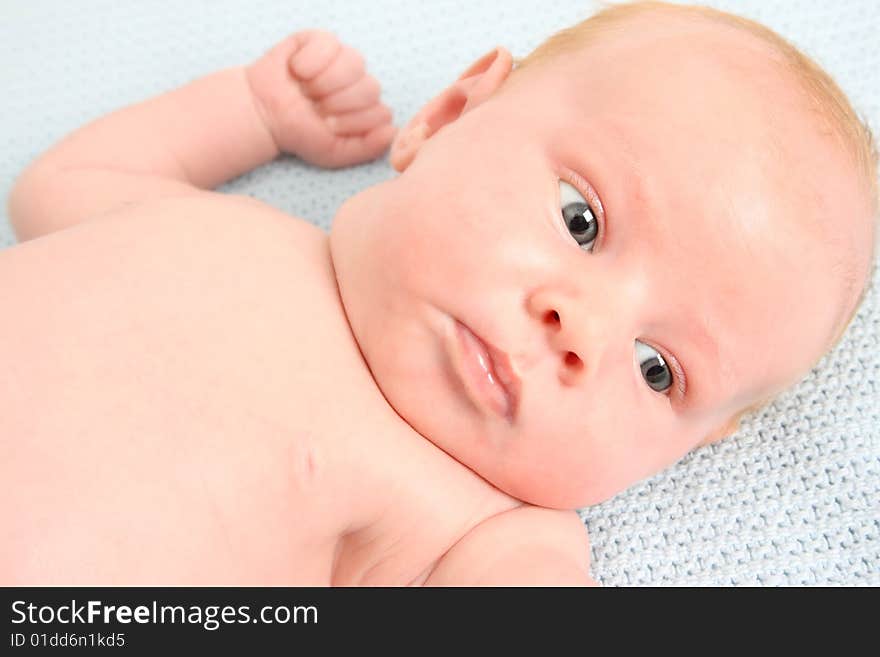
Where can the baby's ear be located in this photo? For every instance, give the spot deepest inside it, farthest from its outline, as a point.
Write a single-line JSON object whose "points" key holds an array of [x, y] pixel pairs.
{"points": [[471, 88], [726, 429]]}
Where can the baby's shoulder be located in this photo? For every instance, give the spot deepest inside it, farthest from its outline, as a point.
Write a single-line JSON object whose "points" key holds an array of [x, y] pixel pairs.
{"points": [[215, 222], [234, 213], [527, 545]]}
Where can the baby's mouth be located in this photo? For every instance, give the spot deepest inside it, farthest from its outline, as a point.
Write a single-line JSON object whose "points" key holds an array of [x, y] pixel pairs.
{"points": [[487, 373]]}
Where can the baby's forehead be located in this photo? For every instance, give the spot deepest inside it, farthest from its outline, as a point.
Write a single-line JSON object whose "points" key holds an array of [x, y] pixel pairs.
{"points": [[717, 108], [649, 59], [656, 35]]}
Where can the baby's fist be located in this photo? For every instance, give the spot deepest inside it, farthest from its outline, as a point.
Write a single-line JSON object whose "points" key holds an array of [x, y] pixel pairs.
{"points": [[318, 101]]}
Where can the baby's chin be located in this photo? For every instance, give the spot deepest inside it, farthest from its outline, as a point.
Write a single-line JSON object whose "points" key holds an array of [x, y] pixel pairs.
{"points": [[558, 481], [555, 492]]}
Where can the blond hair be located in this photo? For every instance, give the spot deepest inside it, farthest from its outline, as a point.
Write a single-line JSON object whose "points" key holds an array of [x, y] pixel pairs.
{"points": [[827, 98]]}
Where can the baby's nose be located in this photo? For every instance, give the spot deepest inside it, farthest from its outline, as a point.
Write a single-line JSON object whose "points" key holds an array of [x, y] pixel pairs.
{"points": [[556, 311], [572, 368]]}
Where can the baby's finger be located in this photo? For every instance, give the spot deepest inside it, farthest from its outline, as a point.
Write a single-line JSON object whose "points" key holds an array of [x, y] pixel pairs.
{"points": [[317, 48], [359, 121], [353, 150], [363, 93], [346, 68]]}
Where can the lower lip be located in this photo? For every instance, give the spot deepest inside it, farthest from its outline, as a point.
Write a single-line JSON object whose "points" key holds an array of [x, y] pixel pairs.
{"points": [[476, 370]]}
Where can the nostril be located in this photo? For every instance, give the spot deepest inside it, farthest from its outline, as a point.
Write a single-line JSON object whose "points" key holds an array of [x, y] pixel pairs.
{"points": [[572, 360], [551, 317]]}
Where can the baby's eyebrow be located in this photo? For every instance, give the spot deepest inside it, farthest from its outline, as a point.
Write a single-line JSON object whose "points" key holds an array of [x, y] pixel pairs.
{"points": [[616, 140], [705, 356]]}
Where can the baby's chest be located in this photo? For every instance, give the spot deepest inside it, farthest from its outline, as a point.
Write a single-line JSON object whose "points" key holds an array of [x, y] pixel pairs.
{"points": [[194, 390]]}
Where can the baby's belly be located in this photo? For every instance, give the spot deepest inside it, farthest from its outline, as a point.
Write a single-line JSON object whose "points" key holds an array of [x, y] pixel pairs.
{"points": [[158, 421]]}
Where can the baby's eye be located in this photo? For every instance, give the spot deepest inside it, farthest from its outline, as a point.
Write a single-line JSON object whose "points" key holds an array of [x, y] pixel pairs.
{"points": [[579, 217], [654, 368]]}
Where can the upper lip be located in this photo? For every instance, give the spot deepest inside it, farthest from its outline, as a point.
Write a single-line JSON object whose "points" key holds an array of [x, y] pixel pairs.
{"points": [[506, 376]]}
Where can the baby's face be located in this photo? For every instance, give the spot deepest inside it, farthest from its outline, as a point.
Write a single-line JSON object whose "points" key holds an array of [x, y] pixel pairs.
{"points": [[693, 283]]}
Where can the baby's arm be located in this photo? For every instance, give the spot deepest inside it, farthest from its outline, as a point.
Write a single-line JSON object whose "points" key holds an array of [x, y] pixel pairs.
{"points": [[527, 546], [194, 137], [209, 131]]}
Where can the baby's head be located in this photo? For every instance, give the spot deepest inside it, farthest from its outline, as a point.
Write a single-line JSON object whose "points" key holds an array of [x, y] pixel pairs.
{"points": [[664, 217]]}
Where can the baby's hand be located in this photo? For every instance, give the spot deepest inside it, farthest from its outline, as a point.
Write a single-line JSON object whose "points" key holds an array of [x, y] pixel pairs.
{"points": [[318, 101]]}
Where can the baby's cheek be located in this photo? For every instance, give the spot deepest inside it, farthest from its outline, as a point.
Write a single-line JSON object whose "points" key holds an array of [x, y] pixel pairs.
{"points": [[559, 474], [597, 465]]}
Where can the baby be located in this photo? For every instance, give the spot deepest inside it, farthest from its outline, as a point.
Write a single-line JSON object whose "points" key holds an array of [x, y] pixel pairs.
{"points": [[591, 264]]}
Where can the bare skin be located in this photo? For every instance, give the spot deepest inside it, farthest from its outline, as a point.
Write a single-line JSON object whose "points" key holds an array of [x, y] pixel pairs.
{"points": [[190, 437], [205, 390], [209, 434]]}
